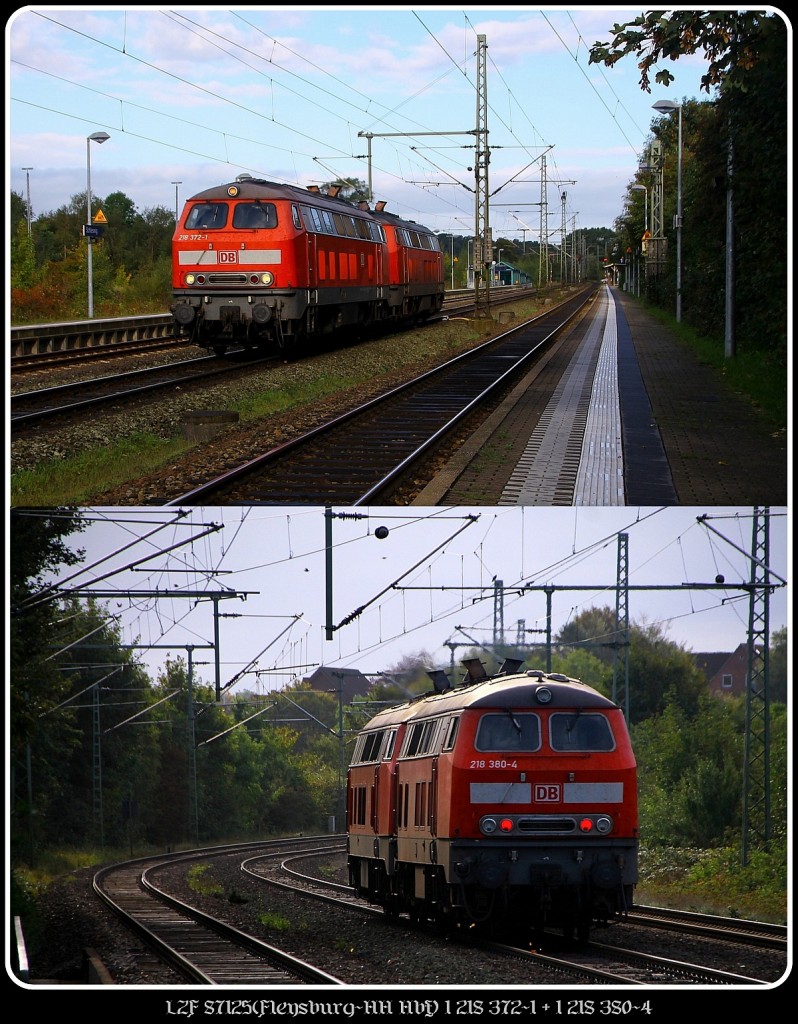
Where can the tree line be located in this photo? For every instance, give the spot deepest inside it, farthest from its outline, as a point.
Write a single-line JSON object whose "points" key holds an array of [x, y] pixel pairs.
{"points": [[735, 202], [105, 757]]}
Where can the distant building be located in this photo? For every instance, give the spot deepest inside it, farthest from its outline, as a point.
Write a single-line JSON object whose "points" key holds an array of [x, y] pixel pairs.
{"points": [[726, 674], [505, 273], [330, 680]]}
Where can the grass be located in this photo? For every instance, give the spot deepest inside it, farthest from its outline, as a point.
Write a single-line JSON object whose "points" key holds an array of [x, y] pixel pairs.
{"points": [[76, 479], [274, 922], [715, 882], [199, 881]]}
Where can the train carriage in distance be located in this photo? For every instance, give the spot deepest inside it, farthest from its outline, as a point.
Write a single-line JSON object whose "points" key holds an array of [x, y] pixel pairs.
{"points": [[508, 803], [268, 266]]}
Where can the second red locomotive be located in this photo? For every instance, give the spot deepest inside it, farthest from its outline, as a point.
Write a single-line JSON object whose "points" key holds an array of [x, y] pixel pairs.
{"points": [[506, 802], [268, 265]]}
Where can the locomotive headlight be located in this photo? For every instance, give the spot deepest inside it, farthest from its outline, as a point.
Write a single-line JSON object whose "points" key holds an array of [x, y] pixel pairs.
{"points": [[543, 695], [604, 825], [267, 278], [190, 278], [488, 826]]}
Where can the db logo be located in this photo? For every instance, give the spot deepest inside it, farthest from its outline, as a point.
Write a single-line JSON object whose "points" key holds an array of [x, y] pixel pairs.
{"points": [[547, 794], [228, 257]]}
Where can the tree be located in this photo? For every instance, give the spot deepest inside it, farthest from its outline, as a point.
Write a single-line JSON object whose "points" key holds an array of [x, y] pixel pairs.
{"points": [[778, 665], [39, 549], [734, 43], [690, 772], [659, 669], [352, 190]]}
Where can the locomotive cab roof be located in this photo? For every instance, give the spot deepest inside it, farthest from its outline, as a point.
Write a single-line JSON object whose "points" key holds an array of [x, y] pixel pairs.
{"points": [[518, 690]]}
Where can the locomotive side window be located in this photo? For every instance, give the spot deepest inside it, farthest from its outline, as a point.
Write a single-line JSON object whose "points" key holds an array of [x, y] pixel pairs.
{"points": [[508, 731], [580, 732], [421, 738], [390, 742], [207, 215], [451, 734], [367, 747]]}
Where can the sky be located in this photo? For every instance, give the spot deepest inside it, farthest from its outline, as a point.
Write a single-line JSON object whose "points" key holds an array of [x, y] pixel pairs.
{"points": [[441, 577], [193, 96]]}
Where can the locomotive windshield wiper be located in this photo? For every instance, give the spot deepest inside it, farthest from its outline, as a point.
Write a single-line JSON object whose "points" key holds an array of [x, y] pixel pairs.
{"points": [[514, 720]]}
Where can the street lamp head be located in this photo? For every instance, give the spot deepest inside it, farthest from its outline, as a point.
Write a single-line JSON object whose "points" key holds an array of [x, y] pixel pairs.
{"points": [[665, 106], [99, 137]]}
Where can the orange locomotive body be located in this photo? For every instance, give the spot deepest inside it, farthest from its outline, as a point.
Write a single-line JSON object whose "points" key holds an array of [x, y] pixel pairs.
{"points": [[264, 265], [508, 802]]}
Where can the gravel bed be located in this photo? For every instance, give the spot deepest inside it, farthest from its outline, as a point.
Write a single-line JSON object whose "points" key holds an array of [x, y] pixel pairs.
{"points": [[359, 951]]}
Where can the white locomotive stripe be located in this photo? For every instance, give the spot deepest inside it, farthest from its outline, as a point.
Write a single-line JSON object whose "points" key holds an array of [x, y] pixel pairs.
{"points": [[501, 792], [245, 257], [593, 793]]}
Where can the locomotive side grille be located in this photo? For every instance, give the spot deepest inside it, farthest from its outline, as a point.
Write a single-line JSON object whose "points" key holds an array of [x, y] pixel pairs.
{"points": [[546, 825]]}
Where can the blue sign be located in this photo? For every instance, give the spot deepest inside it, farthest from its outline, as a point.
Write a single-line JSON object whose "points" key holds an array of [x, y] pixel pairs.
{"points": [[92, 231]]}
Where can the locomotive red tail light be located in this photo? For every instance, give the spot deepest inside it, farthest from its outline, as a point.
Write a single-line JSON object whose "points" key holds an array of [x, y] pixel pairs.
{"points": [[586, 825], [506, 825]]}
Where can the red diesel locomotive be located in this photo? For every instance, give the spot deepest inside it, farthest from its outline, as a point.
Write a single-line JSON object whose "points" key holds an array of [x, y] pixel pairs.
{"points": [[264, 265], [506, 802]]}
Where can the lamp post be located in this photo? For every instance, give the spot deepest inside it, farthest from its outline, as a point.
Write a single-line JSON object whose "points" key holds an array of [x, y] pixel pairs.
{"points": [[177, 206], [28, 214], [99, 137], [667, 107]]}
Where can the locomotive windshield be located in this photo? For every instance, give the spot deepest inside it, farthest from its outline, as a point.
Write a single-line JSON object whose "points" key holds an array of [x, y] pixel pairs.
{"points": [[508, 732], [580, 732], [255, 215], [206, 216]]}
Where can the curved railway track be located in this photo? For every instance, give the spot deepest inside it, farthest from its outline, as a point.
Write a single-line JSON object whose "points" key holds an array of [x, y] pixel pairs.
{"points": [[363, 455], [593, 962], [204, 949], [200, 947]]}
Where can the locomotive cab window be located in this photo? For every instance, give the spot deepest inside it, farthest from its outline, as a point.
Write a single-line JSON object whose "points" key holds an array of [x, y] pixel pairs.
{"points": [[255, 215], [205, 216], [508, 731], [580, 732]]}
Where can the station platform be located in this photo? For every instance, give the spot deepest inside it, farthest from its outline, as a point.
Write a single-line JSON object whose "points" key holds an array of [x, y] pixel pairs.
{"points": [[618, 412]]}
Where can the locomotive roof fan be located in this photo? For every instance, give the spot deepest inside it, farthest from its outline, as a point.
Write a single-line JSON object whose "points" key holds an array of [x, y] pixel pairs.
{"points": [[475, 669]]}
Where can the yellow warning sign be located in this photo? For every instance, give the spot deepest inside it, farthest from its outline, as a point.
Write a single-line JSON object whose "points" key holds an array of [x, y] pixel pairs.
{"points": [[99, 218]]}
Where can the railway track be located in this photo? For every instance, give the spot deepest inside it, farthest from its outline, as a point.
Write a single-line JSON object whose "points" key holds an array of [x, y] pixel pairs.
{"points": [[152, 898], [364, 455], [79, 397], [201, 947], [593, 962]]}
